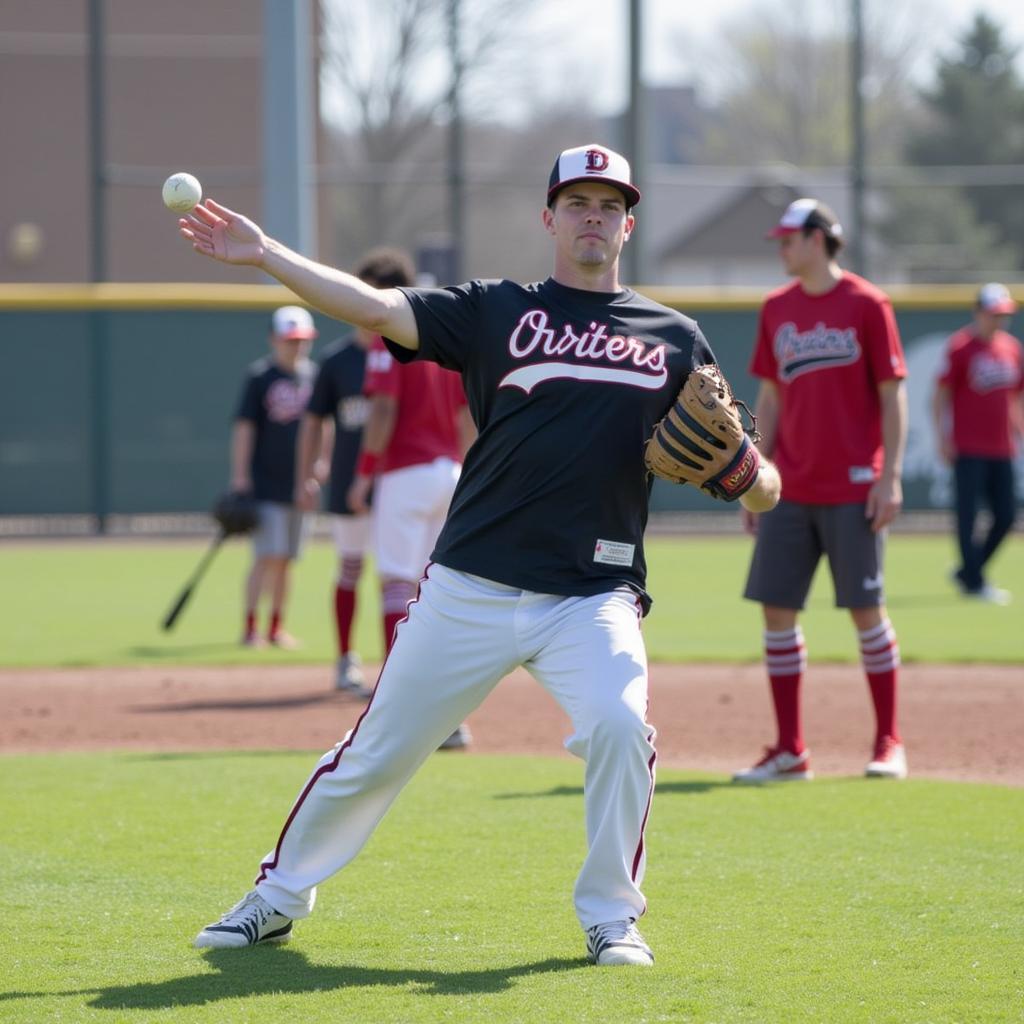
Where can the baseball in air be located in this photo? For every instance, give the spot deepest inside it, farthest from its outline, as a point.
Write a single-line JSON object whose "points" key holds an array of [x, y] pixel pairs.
{"points": [[181, 192]]}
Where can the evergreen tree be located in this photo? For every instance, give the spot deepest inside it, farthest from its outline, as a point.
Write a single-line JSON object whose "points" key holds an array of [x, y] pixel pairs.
{"points": [[976, 118]]}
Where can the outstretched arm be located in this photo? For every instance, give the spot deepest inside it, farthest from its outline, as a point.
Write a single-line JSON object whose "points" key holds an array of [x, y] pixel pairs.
{"points": [[226, 236]]}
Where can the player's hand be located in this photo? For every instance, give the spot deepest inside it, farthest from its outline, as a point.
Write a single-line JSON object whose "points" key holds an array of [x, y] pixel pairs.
{"points": [[321, 471], [358, 497], [885, 499], [750, 521], [223, 235], [307, 494], [947, 451], [241, 484]]}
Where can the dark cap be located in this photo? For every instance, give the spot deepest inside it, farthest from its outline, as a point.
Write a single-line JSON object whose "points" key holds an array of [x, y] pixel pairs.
{"points": [[804, 214], [592, 163], [996, 298]]}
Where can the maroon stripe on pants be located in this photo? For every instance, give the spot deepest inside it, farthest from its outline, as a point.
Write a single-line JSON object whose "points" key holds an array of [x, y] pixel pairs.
{"points": [[333, 763], [643, 825]]}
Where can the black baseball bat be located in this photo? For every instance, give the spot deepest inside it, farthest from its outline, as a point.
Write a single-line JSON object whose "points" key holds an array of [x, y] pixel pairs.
{"points": [[183, 597]]}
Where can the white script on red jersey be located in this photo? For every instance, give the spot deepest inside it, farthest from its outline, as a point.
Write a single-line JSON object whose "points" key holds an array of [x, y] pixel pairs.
{"points": [[988, 373], [799, 352]]}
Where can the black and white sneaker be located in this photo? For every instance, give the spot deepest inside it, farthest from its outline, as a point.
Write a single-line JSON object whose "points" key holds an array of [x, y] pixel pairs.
{"points": [[617, 942], [249, 921]]}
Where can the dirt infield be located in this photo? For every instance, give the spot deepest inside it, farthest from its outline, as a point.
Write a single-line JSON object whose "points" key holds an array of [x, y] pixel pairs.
{"points": [[959, 722]]}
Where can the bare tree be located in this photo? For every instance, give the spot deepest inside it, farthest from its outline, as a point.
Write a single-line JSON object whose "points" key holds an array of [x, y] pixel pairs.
{"points": [[386, 75], [781, 75]]}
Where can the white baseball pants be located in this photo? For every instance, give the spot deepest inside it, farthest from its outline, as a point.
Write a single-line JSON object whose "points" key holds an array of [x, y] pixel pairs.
{"points": [[409, 509], [461, 636]]}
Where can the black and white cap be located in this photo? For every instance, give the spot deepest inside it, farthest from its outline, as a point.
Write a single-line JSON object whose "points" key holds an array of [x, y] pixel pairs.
{"points": [[592, 163]]}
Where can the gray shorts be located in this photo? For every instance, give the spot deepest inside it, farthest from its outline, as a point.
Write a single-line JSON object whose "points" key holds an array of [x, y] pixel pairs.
{"points": [[280, 532], [790, 542]]}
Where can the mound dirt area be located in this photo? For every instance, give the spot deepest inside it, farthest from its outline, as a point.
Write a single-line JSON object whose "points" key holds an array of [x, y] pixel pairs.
{"points": [[959, 722]]}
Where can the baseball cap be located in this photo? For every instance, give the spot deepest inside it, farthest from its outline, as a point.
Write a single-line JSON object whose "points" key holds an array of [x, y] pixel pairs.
{"points": [[292, 322], [996, 298], [802, 214], [592, 163]]}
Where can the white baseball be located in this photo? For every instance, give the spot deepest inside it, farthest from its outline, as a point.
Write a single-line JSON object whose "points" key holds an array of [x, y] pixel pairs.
{"points": [[181, 192]]}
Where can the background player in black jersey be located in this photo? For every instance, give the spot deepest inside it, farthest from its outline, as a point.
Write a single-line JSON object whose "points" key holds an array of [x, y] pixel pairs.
{"points": [[266, 426], [338, 406], [540, 562]]}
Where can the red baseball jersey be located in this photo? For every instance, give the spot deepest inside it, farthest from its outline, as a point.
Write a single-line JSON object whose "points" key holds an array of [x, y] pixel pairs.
{"points": [[429, 399], [985, 379], [827, 354]]}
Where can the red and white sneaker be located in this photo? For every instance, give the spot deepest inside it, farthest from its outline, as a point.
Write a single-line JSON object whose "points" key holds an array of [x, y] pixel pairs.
{"points": [[778, 766], [889, 760]]}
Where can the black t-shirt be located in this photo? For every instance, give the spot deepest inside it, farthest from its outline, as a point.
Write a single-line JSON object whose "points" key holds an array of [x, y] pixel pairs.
{"points": [[338, 392], [565, 387], [275, 401]]}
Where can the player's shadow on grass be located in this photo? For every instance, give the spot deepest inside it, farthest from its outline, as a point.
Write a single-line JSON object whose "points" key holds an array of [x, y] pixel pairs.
{"points": [[270, 970], [675, 786], [297, 700], [174, 650]]}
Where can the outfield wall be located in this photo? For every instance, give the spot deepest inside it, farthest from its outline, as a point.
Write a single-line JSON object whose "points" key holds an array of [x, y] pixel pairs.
{"points": [[119, 398]]}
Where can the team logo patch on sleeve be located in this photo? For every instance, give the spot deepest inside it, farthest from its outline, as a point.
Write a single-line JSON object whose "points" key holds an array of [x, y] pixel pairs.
{"points": [[614, 552]]}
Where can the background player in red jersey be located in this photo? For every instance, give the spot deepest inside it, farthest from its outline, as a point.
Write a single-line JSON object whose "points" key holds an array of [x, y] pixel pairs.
{"points": [[263, 463], [832, 412], [978, 409], [417, 432], [339, 407], [540, 562]]}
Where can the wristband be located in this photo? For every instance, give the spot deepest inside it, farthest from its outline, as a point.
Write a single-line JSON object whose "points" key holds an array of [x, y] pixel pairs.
{"points": [[367, 465]]}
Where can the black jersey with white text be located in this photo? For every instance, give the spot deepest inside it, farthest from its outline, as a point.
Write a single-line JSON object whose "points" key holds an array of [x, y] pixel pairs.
{"points": [[338, 393], [274, 400], [565, 387]]}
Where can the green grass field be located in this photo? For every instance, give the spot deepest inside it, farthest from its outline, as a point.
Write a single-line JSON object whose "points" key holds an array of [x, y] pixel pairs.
{"points": [[845, 901], [101, 603]]}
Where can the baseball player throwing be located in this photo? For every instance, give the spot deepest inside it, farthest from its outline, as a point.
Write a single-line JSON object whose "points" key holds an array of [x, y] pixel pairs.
{"points": [[540, 562]]}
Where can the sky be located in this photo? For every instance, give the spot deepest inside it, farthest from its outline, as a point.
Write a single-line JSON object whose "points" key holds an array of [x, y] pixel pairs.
{"points": [[580, 47], [677, 32]]}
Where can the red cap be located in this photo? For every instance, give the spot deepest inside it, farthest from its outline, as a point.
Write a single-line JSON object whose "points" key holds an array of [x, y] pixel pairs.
{"points": [[996, 298]]}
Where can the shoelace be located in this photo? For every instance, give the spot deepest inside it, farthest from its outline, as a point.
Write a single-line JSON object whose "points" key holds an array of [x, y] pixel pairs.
{"points": [[250, 908], [616, 933]]}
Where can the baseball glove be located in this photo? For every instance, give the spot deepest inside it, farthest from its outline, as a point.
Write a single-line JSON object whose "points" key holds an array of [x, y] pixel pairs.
{"points": [[236, 513], [702, 440]]}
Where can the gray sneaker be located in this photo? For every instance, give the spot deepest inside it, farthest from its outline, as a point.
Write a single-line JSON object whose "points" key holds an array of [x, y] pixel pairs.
{"points": [[349, 678], [459, 740], [617, 942], [249, 921]]}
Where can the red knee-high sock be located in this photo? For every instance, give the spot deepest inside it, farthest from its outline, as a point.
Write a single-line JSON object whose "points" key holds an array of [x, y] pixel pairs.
{"points": [[275, 623], [395, 597], [786, 658], [880, 656], [345, 600], [250, 623], [344, 613]]}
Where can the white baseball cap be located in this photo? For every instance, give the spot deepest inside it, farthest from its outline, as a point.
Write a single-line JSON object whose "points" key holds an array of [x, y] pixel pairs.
{"points": [[996, 298], [592, 163], [803, 214], [292, 322]]}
